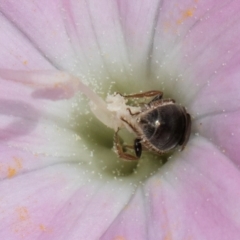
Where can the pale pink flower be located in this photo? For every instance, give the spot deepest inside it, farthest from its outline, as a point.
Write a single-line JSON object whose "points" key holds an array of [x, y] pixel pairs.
{"points": [[60, 178]]}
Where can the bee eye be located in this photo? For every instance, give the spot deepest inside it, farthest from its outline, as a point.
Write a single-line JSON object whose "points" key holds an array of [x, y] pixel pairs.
{"points": [[138, 147]]}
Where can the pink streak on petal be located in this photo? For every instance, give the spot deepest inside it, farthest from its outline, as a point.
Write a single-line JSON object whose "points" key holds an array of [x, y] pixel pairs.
{"points": [[223, 130], [16, 51], [211, 49], [96, 31], [94, 217], [43, 28], [131, 222], [221, 93], [138, 19]]}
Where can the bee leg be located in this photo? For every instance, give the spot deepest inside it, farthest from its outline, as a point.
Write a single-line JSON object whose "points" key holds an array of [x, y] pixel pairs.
{"points": [[158, 101], [158, 98], [152, 93], [129, 124], [119, 150], [131, 113]]}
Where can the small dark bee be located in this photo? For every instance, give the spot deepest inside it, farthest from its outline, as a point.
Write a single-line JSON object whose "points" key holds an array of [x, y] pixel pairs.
{"points": [[160, 126]]}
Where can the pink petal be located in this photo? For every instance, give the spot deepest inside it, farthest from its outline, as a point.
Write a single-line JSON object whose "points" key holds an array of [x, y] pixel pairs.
{"points": [[17, 52], [214, 63], [39, 26], [49, 187], [131, 223], [58, 203], [211, 67], [80, 42], [95, 28], [223, 130], [194, 57], [32, 128], [194, 196]]}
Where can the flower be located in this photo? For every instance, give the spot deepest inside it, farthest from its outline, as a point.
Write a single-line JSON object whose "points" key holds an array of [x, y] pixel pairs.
{"points": [[59, 177]]}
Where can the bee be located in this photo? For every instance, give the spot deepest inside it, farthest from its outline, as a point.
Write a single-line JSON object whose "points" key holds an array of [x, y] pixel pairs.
{"points": [[160, 126]]}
